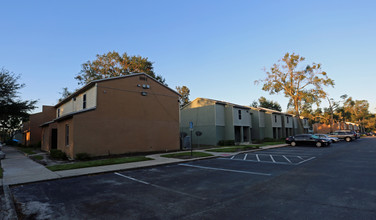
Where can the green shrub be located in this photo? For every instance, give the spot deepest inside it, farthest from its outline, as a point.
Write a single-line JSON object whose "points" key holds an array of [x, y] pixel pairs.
{"points": [[83, 156], [269, 139], [226, 142], [58, 154]]}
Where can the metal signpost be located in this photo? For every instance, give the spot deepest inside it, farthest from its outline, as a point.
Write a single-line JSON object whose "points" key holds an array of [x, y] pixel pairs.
{"points": [[191, 129]]}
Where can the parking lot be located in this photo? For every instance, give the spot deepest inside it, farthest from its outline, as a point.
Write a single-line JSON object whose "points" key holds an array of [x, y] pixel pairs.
{"points": [[280, 183]]}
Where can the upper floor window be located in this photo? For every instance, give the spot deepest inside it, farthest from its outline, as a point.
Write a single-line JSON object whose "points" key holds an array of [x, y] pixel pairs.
{"points": [[84, 102], [240, 114], [287, 118], [275, 118], [58, 112]]}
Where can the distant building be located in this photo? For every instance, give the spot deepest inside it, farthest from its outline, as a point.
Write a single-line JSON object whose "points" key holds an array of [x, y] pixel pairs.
{"points": [[220, 120], [133, 113], [31, 130], [217, 120]]}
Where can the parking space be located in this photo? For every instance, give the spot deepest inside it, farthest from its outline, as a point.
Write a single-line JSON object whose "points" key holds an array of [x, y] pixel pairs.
{"points": [[285, 156], [271, 158], [196, 190]]}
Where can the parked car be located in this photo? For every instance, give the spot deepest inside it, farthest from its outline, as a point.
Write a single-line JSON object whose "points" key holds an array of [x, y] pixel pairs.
{"points": [[325, 136], [307, 139], [345, 135]]}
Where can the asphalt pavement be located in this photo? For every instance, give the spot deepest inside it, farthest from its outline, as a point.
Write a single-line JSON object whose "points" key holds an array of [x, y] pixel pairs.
{"points": [[320, 183]]}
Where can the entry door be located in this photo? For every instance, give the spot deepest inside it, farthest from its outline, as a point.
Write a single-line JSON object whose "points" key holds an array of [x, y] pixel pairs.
{"points": [[54, 138]]}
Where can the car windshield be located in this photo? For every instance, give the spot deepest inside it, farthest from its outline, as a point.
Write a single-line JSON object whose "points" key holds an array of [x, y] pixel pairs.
{"points": [[315, 136]]}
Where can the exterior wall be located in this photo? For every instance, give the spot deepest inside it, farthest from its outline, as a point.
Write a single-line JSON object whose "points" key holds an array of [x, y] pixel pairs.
{"points": [[61, 135], [255, 124], [229, 128], [245, 120], [268, 125], [276, 120], [124, 120], [203, 119], [76, 103], [220, 115], [288, 121], [32, 130], [47, 136]]}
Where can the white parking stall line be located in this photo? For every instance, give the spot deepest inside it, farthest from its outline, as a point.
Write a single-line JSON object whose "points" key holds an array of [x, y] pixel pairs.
{"points": [[258, 159], [227, 170], [159, 187], [131, 178], [233, 157], [245, 156], [300, 157], [271, 157], [306, 160], [255, 161], [286, 158]]}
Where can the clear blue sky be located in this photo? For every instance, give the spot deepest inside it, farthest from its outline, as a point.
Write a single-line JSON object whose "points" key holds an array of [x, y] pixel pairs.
{"points": [[216, 48]]}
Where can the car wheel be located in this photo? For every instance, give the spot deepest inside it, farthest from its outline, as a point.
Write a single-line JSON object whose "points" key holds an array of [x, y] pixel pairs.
{"points": [[318, 144], [348, 139], [293, 144]]}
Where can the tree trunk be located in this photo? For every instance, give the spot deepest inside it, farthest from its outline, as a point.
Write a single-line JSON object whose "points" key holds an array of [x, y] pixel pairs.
{"points": [[300, 123]]}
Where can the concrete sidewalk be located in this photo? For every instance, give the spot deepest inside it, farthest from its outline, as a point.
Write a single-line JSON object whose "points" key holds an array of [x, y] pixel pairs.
{"points": [[20, 169]]}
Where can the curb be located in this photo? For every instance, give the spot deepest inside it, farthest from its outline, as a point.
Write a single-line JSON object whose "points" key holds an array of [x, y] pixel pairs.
{"points": [[146, 166], [9, 203]]}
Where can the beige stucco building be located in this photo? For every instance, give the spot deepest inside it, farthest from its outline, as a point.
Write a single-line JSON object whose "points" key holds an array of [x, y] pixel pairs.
{"points": [[133, 113]]}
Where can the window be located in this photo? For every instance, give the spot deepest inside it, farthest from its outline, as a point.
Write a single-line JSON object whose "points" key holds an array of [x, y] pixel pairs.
{"points": [[287, 119], [84, 102], [240, 114], [66, 135], [58, 112], [275, 118]]}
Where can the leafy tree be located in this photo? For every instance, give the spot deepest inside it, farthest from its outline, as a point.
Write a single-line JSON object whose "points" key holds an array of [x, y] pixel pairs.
{"points": [[12, 110], [304, 86], [264, 103], [184, 92], [113, 64], [64, 94], [357, 108]]}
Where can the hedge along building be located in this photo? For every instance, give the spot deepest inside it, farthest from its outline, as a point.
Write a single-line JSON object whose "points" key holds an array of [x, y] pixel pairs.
{"points": [[217, 121], [133, 113]]}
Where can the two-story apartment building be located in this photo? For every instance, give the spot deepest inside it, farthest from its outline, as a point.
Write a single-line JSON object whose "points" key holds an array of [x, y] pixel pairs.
{"points": [[216, 120], [31, 130], [288, 125], [305, 123], [133, 113], [273, 123]]}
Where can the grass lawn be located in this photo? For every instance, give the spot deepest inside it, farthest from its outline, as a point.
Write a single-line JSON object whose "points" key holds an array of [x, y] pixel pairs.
{"points": [[95, 163], [271, 143], [235, 148], [230, 149], [37, 157], [27, 150], [187, 155]]}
